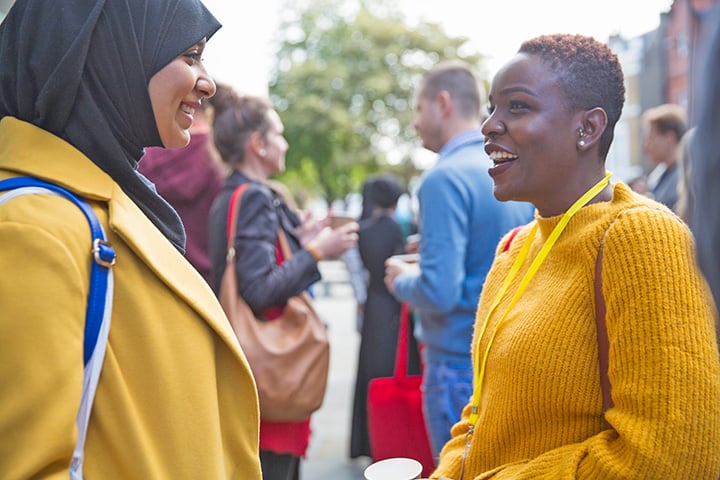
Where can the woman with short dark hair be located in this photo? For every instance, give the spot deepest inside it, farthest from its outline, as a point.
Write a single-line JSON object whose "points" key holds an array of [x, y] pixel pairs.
{"points": [[537, 408]]}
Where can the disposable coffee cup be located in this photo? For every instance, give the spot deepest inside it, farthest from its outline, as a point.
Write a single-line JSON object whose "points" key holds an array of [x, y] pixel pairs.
{"points": [[408, 257], [340, 220], [394, 469]]}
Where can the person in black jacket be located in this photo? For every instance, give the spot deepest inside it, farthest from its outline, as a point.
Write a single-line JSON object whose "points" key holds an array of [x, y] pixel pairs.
{"points": [[380, 237], [248, 134]]}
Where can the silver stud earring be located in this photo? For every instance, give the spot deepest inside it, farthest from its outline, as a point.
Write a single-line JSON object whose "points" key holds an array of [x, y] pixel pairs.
{"points": [[581, 143], [262, 152]]}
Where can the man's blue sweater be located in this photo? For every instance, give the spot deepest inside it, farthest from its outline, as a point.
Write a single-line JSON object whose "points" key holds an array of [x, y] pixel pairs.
{"points": [[460, 223]]}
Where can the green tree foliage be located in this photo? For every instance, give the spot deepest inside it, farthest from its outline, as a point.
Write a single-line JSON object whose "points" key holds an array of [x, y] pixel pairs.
{"points": [[344, 83]]}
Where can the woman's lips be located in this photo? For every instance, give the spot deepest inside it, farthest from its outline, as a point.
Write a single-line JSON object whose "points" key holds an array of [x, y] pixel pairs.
{"points": [[188, 113], [187, 109], [502, 162]]}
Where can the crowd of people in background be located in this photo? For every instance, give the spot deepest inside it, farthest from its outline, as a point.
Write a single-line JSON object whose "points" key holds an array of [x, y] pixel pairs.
{"points": [[562, 325], [664, 129]]}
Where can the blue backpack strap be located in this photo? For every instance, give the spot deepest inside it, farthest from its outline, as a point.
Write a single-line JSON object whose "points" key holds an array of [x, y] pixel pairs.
{"points": [[103, 256], [100, 295]]}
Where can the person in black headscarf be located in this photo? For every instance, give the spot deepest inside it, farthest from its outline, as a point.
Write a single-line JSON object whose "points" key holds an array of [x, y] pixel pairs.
{"points": [[175, 398]]}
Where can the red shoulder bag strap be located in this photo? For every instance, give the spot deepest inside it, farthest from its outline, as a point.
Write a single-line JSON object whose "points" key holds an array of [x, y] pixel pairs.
{"points": [[233, 208], [513, 232]]}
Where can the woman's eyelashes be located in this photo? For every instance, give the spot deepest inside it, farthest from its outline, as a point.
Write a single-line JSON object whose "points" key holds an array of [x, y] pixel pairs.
{"points": [[194, 53], [516, 105], [513, 106], [195, 56]]}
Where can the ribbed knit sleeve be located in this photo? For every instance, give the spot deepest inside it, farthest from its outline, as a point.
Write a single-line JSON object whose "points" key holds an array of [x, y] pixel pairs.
{"points": [[663, 355], [541, 407]]}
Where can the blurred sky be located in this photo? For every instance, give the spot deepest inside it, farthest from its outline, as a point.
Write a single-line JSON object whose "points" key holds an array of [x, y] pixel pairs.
{"points": [[241, 53]]}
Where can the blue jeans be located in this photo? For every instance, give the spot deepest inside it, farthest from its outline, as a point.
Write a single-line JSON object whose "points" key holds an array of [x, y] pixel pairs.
{"points": [[447, 387]]}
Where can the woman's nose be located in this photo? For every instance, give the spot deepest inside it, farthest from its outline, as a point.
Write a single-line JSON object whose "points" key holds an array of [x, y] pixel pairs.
{"points": [[205, 84], [492, 125]]}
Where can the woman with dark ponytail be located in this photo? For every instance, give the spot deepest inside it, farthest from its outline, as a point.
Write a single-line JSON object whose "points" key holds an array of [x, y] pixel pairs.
{"points": [[248, 134]]}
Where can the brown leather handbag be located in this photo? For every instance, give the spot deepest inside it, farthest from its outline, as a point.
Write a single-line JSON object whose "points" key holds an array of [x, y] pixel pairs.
{"points": [[289, 355]]}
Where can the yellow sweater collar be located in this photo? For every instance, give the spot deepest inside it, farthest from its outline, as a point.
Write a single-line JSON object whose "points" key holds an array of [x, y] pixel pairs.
{"points": [[622, 195]]}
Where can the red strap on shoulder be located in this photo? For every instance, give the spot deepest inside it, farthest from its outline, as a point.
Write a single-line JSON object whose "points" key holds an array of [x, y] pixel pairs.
{"points": [[513, 232], [233, 208]]}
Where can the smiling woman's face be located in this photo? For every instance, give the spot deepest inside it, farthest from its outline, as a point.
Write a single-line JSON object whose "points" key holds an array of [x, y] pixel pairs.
{"points": [[176, 91], [530, 134]]}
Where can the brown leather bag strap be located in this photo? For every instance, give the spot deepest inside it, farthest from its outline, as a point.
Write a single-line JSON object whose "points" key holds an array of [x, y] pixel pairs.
{"points": [[602, 337], [287, 254], [284, 244], [600, 312]]}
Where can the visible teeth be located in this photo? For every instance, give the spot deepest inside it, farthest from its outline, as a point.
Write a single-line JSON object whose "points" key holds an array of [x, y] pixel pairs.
{"points": [[187, 109], [499, 156]]}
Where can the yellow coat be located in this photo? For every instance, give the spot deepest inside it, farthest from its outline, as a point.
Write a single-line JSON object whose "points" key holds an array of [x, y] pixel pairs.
{"points": [[176, 398]]}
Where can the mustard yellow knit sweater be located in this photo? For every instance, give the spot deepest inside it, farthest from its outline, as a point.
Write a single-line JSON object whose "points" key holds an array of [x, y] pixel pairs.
{"points": [[541, 405]]}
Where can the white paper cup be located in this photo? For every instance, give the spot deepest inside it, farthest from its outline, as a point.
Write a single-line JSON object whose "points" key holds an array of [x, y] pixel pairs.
{"points": [[407, 257], [394, 469]]}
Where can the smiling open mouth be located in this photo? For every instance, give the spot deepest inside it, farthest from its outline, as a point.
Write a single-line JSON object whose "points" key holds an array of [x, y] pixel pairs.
{"points": [[502, 157]]}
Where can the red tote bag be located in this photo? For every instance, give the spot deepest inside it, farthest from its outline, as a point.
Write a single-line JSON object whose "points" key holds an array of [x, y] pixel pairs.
{"points": [[395, 418]]}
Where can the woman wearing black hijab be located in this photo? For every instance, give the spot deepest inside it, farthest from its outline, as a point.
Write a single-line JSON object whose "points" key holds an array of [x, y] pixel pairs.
{"points": [[176, 398]]}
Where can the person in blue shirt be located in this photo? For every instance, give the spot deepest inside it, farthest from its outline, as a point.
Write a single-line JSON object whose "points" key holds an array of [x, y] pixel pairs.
{"points": [[460, 225]]}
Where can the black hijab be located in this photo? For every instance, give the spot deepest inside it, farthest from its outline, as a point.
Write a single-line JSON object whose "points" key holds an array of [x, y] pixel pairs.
{"points": [[80, 69]]}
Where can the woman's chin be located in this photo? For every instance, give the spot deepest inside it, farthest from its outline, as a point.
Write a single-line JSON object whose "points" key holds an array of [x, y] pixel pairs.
{"points": [[502, 193], [178, 139]]}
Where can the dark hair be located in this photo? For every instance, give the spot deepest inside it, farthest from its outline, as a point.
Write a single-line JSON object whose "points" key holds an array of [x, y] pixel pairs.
{"points": [[367, 202], [588, 72], [386, 190], [667, 117], [456, 78], [236, 117]]}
